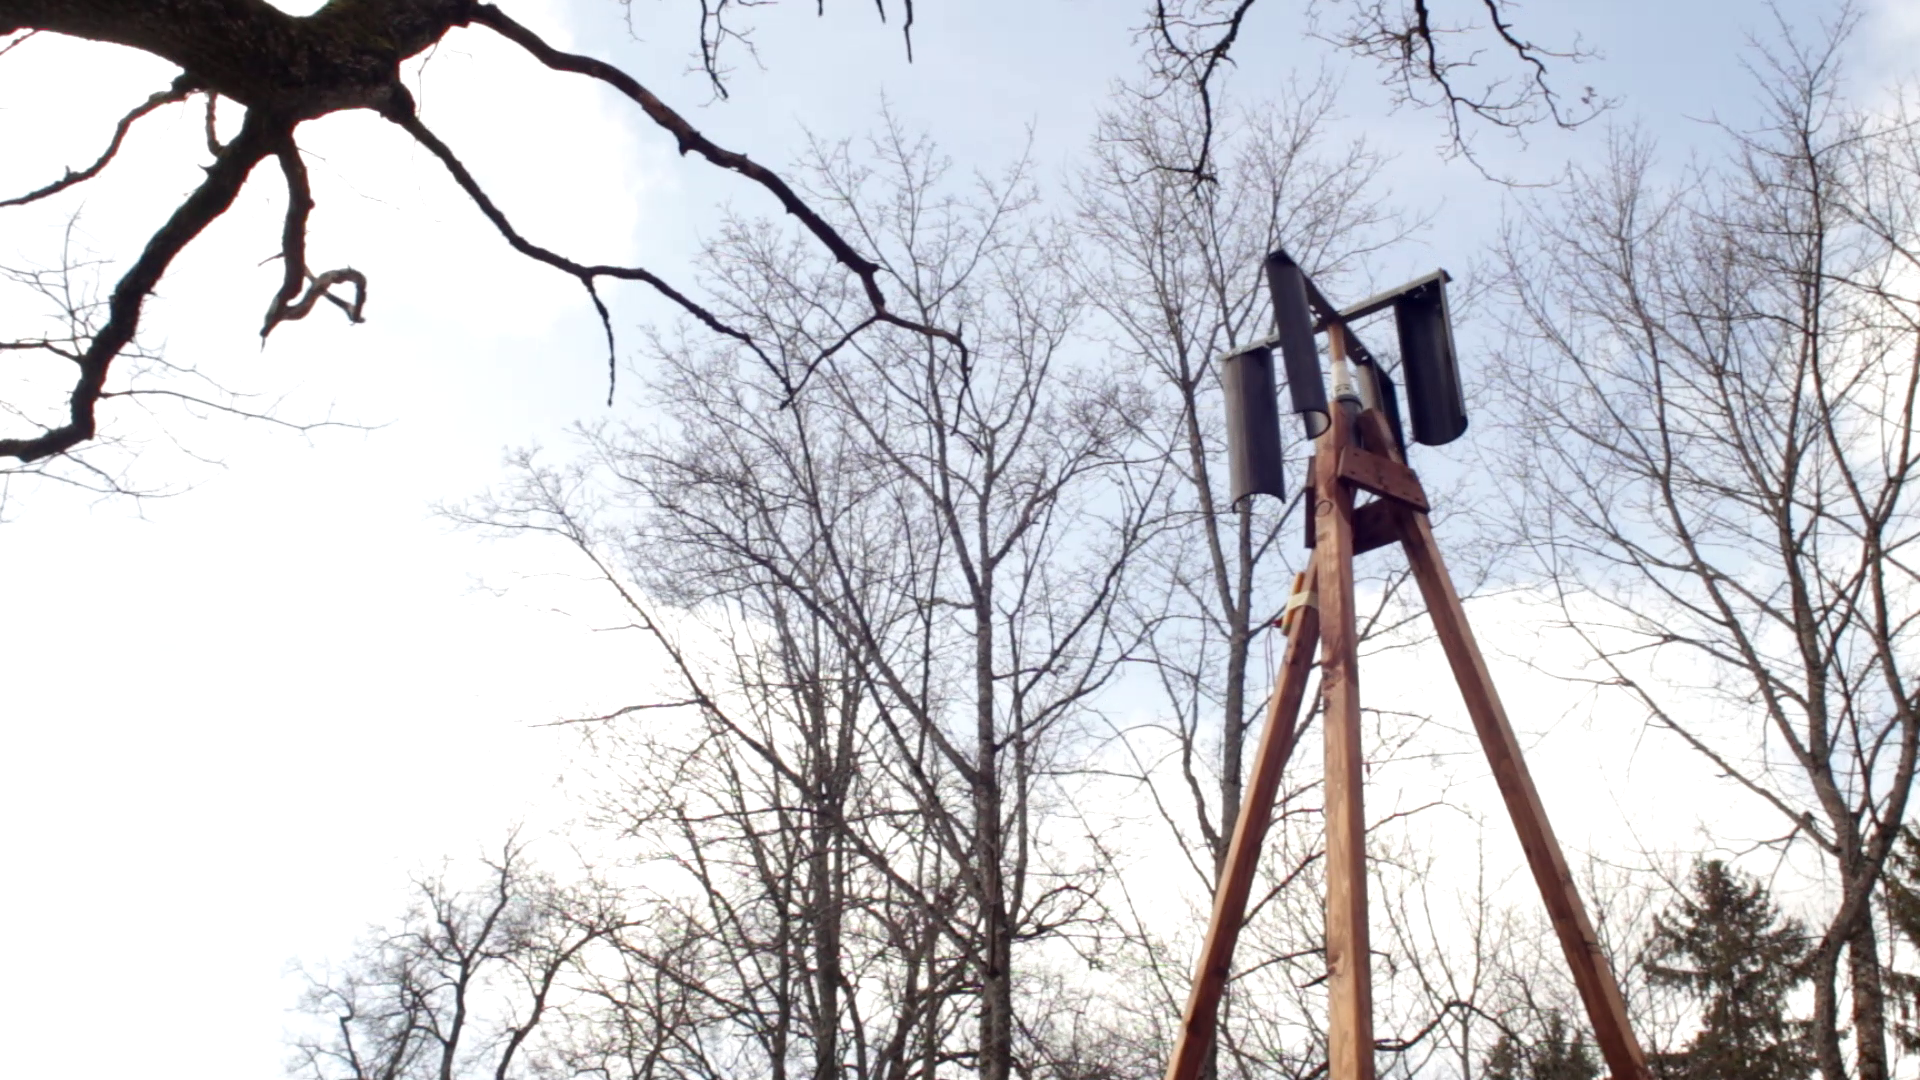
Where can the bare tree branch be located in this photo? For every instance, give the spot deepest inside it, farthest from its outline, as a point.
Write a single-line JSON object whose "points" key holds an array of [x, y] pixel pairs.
{"points": [[179, 91], [1191, 44], [211, 199], [691, 140]]}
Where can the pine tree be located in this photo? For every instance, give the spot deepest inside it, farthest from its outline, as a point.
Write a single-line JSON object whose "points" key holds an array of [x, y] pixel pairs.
{"points": [[1726, 945], [1559, 1055], [1902, 894]]}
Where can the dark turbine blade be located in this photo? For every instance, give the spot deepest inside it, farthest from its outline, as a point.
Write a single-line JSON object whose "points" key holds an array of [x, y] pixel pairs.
{"points": [[1435, 403], [1288, 284], [1253, 425]]}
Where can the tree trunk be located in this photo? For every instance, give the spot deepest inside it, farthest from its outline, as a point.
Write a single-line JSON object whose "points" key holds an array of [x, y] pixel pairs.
{"points": [[1869, 1002], [1238, 606], [824, 899], [1826, 1012], [1233, 736], [996, 943]]}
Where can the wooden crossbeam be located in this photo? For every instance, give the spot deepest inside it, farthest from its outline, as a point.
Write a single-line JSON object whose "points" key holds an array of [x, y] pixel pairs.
{"points": [[1383, 476], [1376, 525]]}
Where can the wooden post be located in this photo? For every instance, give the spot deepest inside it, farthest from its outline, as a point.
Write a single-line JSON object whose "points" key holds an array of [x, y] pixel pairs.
{"points": [[1249, 835], [1591, 975], [1349, 952]]}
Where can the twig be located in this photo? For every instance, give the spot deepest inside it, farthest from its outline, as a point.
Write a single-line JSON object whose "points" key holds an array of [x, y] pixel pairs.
{"points": [[181, 88]]}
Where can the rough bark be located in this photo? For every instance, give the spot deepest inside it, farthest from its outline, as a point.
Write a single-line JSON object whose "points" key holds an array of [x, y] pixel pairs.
{"points": [[1865, 978], [345, 56]]}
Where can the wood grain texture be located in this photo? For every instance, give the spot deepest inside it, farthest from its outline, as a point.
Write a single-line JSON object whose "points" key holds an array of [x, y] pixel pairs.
{"points": [[1349, 947], [1376, 525], [1383, 476]]}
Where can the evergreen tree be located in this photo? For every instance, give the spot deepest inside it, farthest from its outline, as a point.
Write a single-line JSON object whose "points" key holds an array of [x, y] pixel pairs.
{"points": [[1902, 894], [1726, 945], [1559, 1055]]}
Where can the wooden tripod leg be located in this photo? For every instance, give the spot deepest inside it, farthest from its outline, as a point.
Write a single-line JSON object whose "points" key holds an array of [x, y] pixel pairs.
{"points": [[1249, 833], [1349, 950], [1598, 990]]}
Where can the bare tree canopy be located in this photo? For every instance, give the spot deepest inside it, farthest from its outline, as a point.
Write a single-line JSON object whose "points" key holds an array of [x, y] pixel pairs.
{"points": [[285, 70], [1715, 399], [941, 642]]}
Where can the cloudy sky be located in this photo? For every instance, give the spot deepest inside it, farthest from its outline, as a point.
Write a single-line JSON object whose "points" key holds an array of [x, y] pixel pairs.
{"points": [[234, 718]]}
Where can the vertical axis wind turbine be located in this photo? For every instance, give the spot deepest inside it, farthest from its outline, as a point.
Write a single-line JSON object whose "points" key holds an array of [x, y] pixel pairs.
{"points": [[1360, 447]]}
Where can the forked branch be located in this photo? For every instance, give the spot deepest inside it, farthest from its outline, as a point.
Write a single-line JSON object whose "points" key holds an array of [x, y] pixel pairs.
{"points": [[275, 108], [215, 194], [1178, 62]]}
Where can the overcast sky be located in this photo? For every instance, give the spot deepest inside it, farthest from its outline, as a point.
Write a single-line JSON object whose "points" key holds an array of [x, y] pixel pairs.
{"points": [[233, 719]]}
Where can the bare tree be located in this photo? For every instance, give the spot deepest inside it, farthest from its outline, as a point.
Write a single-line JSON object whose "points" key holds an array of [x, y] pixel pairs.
{"points": [[480, 981], [949, 524], [892, 613], [1714, 417]]}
